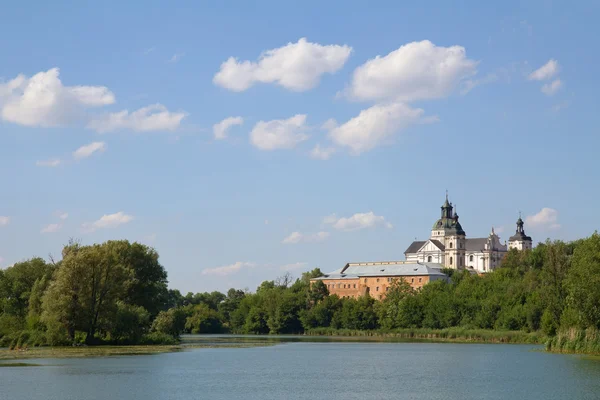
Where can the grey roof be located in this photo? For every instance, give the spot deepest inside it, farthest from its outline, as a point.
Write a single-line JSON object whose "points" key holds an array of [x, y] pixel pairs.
{"points": [[475, 244], [438, 244], [415, 246], [391, 268]]}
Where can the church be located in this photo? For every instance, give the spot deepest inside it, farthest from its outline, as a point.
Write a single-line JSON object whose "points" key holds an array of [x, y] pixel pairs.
{"points": [[449, 246]]}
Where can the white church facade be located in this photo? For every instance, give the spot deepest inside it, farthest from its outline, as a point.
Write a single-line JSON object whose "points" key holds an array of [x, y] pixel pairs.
{"points": [[449, 246]]}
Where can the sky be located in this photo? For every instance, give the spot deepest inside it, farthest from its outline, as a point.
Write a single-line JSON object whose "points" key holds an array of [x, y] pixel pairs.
{"points": [[244, 140]]}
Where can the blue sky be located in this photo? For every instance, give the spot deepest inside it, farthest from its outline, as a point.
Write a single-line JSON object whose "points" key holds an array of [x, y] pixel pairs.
{"points": [[107, 115]]}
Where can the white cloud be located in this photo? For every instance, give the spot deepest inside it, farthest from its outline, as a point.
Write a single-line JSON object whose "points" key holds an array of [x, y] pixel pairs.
{"points": [[297, 237], [295, 66], [376, 126], [108, 221], [51, 228], [63, 216], [221, 129], [4, 221], [42, 100], [228, 269], [155, 117], [471, 84], [293, 266], [279, 133], [330, 124], [415, 71], [176, 57], [88, 150], [546, 218], [322, 153], [357, 221], [545, 72], [550, 88], [53, 162]]}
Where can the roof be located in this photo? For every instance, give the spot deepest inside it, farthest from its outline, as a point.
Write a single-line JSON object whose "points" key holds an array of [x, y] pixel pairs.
{"points": [[438, 244], [415, 246], [475, 244], [520, 236], [386, 268]]}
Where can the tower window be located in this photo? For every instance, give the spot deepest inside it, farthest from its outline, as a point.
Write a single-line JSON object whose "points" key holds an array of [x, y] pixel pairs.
{"points": [[450, 244], [429, 259], [450, 260], [471, 257]]}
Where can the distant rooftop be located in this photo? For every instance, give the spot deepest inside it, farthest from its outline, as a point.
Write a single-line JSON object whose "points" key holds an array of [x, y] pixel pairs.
{"points": [[385, 268]]}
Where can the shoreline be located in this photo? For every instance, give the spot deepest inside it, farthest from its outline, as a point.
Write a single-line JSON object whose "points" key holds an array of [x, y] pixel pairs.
{"points": [[249, 341]]}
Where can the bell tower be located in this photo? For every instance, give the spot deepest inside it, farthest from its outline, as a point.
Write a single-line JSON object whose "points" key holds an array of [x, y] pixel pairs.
{"points": [[520, 240]]}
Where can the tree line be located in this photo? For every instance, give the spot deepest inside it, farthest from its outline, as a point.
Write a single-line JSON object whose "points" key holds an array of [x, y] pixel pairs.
{"points": [[117, 293]]}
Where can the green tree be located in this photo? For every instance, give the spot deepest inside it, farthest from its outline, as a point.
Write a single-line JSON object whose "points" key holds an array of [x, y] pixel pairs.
{"points": [[583, 283], [203, 319], [84, 294]]}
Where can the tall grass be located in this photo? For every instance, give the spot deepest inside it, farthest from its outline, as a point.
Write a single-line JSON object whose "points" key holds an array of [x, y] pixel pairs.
{"points": [[573, 340], [456, 334]]}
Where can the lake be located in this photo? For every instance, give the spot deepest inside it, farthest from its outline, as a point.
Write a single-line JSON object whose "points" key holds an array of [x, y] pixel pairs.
{"points": [[314, 370]]}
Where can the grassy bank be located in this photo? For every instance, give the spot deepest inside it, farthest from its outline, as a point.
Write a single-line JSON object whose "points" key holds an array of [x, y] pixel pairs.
{"points": [[438, 335], [576, 341]]}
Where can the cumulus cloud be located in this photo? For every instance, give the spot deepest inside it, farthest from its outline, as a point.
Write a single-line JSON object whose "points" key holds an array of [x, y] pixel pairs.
{"points": [[4, 220], [550, 88], [547, 218], [51, 228], [295, 66], [88, 150], [63, 216], [357, 221], [322, 153], [155, 117], [228, 269], [42, 100], [53, 162], [297, 237], [376, 126], [279, 133], [545, 72], [220, 130], [108, 221], [415, 71]]}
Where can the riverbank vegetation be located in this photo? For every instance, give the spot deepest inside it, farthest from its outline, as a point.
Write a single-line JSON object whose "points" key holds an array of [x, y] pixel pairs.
{"points": [[116, 293]]}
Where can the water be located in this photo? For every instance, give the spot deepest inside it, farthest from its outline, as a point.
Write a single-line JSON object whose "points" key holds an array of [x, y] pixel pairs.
{"points": [[314, 370]]}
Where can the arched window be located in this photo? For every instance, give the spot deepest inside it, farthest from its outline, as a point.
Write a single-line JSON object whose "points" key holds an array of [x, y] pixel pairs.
{"points": [[450, 260], [429, 259], [471, 257], [450, 244]]}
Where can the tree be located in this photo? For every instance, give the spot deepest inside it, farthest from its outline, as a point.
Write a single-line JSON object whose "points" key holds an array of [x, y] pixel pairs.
{"points": [[16, 284], [583, 283], [147, 283], [171, 322], [203, 319], [84, 294]]}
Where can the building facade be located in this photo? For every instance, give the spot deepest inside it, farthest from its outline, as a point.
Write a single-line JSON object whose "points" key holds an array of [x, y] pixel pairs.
{"points": [[375, 278], [449, 246]]}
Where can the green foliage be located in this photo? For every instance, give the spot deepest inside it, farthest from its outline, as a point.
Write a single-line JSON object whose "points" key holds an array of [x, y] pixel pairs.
{"points": [[170, 322], [203, 319], [116, 292]]}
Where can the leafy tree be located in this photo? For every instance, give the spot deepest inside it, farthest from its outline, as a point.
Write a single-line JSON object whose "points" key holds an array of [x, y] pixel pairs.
{"points": [[84, 293], [203, 319], [171, 322], [583, 283]]}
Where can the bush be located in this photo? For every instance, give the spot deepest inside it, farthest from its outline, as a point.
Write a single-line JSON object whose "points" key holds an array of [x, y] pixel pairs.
{"points": [[158, 338]]}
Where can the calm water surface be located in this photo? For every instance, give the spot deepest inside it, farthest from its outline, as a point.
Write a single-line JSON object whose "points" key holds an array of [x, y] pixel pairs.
{"points": [[304, 370]]}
